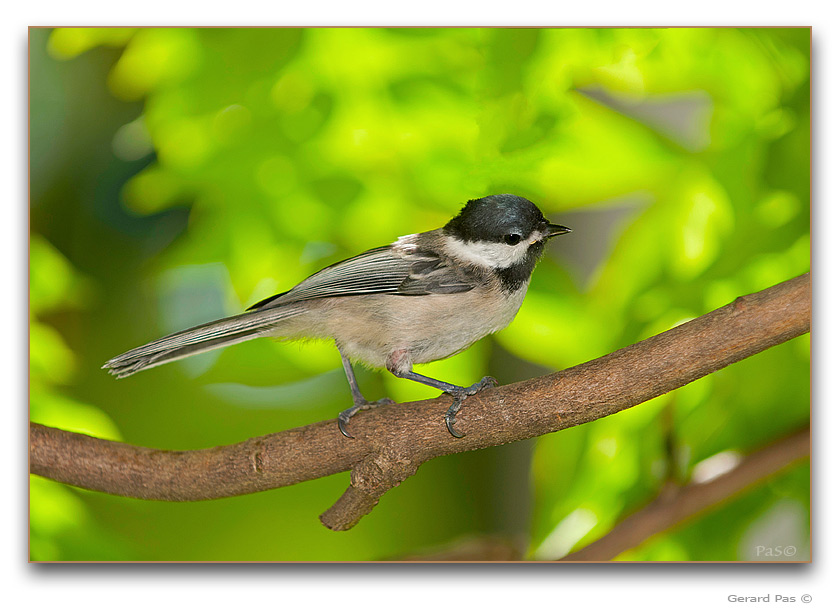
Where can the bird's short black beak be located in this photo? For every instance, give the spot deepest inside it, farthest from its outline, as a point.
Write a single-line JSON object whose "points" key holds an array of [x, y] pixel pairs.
{"points": [[555, 230]]}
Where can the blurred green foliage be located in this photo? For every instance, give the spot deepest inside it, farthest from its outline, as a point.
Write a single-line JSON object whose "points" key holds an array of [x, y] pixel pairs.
{"points": [[182, 174]]}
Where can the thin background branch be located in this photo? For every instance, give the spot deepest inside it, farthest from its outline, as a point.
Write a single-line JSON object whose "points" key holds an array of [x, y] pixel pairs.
{"points": [[676, 505]]}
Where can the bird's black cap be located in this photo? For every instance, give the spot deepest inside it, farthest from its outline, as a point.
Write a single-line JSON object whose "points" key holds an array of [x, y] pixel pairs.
{"points": [[493, 217]]}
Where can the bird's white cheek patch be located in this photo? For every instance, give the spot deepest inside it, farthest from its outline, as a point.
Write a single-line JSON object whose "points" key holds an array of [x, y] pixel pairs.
{"points": [[491, 254]]}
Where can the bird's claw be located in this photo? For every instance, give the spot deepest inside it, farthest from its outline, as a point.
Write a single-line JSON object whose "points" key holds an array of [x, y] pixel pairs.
{"points": [[486, 382], [449, 418], [344, 416]]}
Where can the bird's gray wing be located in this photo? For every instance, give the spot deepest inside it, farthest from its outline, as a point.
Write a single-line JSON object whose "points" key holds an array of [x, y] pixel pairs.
{"points": [[382, 270]]}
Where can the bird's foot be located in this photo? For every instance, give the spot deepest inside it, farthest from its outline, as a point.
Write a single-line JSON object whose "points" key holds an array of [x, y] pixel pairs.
{"points": [[460, 396], [360, 405]]}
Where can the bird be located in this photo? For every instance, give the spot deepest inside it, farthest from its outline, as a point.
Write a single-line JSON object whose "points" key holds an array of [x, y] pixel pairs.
{"points": [[425, 297]]}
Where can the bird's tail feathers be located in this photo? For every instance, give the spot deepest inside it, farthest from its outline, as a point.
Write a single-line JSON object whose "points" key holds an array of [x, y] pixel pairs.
{"points": [[198, 339]]}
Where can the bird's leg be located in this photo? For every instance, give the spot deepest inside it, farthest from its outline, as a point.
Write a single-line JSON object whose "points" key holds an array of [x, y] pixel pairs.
{"points": [[360, 403], [459, 393]]}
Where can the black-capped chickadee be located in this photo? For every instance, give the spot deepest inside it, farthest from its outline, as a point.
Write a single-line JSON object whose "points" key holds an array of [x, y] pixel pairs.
{"points": [[425, 297]]}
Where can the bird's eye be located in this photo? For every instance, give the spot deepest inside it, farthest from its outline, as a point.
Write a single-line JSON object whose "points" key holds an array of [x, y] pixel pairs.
{"points": [[513, 239]]}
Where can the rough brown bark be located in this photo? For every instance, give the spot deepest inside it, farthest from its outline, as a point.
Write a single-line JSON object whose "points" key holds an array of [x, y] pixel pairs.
{"points": [[392, 441]]}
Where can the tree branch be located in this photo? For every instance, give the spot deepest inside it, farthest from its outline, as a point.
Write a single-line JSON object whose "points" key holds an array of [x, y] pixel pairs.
{"points": [[678, 504], [392, 441]]}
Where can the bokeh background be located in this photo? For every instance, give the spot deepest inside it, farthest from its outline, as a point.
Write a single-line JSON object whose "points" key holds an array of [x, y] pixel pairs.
{"points": [[179, 175]]}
